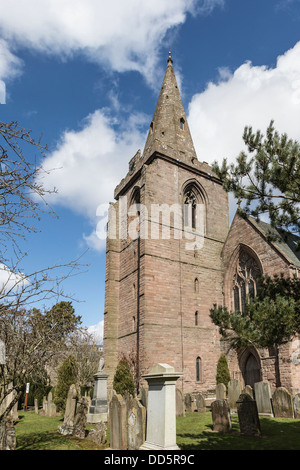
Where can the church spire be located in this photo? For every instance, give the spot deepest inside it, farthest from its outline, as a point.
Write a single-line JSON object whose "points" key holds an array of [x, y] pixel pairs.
{"points": [[169, 132]]}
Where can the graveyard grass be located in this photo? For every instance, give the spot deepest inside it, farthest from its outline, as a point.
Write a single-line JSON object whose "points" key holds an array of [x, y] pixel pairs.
{"points": [[194, 432]]}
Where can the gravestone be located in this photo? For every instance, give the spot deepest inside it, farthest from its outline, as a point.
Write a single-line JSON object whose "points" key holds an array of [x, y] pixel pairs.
{"points": [[118, 423], [8, 439], [282, 403], [248, 389], [180, 408], [221, 416], [98, 433], [143, 396], [200, 403], [161, 411], [263, 398], [99, 408], [36, 406], [234, 391], [51, 408], [67, 427], [136, 425], [188, 403], [220, 392], [80, 420], [248, 415], [296, 404]]}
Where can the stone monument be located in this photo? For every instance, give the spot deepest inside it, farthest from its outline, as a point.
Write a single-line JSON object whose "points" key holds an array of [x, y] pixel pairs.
{"points": [[99, 409], [161, 410]]}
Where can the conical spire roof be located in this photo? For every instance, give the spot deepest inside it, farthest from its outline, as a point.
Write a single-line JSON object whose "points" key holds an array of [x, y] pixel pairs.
{"points": [[169, 131]]}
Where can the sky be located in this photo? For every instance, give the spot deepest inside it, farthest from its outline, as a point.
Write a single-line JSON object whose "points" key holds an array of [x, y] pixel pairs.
{"points": [[86, 74]]}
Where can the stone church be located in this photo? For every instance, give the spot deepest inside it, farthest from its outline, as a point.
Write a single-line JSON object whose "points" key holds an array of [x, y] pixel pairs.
{"points": [[171, 256]]}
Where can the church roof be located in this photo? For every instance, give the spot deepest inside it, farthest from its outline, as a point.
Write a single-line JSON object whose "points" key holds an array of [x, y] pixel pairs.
{"points": [[169, 131], [285, 242]]}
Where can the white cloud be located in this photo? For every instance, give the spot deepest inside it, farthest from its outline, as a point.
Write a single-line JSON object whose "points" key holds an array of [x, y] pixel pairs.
{"points": [[123, 35], [89, 163], [11, 281], [97, 331], [250, 96], [10, 67]]}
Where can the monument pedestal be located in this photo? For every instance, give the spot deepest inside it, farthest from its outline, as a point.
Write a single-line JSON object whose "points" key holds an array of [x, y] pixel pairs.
{"points": [[161, 408], [98, 410]]}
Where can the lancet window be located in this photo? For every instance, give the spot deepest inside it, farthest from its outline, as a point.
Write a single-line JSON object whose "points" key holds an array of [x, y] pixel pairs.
{"points": [[190, 209]]}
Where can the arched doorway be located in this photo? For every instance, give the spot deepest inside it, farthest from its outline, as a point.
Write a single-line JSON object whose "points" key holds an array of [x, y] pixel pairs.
{"points": [[251, 371]]}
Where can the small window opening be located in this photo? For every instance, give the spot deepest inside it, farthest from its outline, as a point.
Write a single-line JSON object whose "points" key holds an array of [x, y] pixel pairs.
{"points": [[196, 318], [182, 122], [198, 369]]}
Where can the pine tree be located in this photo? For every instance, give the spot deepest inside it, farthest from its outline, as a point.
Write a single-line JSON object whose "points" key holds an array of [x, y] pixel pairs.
{"points": [[267, 179]]}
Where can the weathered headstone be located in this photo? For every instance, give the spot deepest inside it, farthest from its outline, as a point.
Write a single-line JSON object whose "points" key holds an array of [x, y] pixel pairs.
{"points": [[234, 391], [36, 406], [248, 389], [8, 439], [80, 419], [136, 425], [161, 411], [99, 407], [98, 433], [221, 416], [296, 404], [51, 408], [200, 403], [220, 392], [188, 402], [263, 397], [118, 423], [143, 396], [45, 403], [180, 408], [248, 415], [67, 427], [282, 403]]}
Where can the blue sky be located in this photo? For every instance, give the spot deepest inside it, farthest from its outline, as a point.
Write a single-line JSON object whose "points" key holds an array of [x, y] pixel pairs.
{"points": [[86, 74]]}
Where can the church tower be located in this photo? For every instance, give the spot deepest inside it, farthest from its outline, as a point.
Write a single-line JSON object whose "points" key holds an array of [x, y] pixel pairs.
{"points": [[166, 231]]}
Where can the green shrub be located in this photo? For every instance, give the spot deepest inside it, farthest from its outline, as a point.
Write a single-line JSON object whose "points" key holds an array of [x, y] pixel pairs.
{"points": [[123, 381], [223, 374], [67, 374]]}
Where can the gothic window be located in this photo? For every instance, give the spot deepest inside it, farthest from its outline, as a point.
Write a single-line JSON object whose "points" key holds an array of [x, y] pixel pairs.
{"points": [[190, 209], [245, 280], [198, 369], [196, 285]]}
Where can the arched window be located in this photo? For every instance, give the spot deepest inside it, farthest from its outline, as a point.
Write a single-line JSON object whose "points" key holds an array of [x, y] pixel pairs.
{"points": [[198, 369], [182, 122], [196, 286], [196, 318], [245, 280], [190, 209]]}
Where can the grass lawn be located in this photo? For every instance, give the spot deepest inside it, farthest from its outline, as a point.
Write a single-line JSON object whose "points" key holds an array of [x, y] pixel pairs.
{"points": [[37, 432], [194, 432]]}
